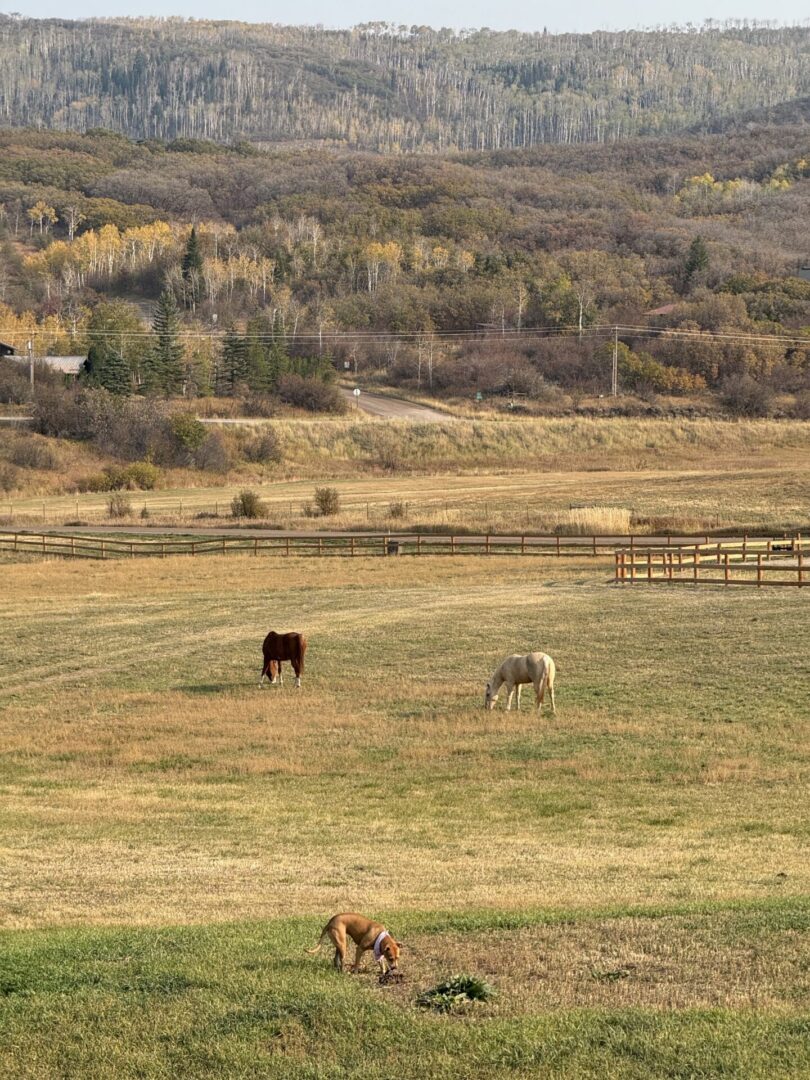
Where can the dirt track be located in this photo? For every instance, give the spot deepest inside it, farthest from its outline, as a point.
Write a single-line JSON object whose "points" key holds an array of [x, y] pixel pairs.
{"points": [[388, 408]]}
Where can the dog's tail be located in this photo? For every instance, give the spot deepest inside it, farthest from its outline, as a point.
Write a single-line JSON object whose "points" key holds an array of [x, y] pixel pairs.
{"points": [[320, 943]]}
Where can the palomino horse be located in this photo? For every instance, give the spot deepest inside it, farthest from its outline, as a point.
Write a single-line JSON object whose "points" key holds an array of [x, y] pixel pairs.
{"points": [[536, 667], [279, 647]]}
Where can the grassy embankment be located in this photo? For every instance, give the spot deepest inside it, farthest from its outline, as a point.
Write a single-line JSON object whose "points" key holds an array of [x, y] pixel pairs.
{"points": [[632, 875], [507, 476]]}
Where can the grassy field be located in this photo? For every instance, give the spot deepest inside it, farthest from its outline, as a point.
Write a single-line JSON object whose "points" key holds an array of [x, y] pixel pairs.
{"points": [[632, 876], [693, 475], [770, 497]]}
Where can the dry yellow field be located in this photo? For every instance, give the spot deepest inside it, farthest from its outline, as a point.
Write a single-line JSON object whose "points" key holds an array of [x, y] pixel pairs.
{"points": [[631, 876], [148, 779], [507, 476]]}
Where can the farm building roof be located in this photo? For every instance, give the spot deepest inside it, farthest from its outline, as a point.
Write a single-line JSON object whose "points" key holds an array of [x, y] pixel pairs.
{"points": [[69, 365], [6, 350]]}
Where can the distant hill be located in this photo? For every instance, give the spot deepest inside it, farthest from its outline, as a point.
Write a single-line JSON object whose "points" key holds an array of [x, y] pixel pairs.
{"points": [[793, 114], [393, 89]]}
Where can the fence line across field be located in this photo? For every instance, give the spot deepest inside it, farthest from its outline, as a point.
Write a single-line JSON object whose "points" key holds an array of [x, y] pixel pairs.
{"points": [[649, 558], [95, 507]]}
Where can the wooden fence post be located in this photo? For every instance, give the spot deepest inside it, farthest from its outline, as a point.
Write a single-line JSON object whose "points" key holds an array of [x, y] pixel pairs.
{"points": [[696, 564], [256, 545], [649, 565], [558, 546], [800, 568], [725, 568], [523, 544], [594, 545], [759, 569]]}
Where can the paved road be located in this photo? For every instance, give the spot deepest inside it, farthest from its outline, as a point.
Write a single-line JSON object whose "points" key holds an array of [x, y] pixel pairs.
{"points": [[390, 408]]}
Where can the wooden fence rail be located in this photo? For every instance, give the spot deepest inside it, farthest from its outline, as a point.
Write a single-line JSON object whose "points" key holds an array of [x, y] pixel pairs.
{"points": [[637, 558], [324, 544], [782, 562], [73, 545]]}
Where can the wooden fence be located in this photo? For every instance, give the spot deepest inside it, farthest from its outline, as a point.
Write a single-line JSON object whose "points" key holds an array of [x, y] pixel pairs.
{"points": [[758, 563], [641, 559], [73, 545]]}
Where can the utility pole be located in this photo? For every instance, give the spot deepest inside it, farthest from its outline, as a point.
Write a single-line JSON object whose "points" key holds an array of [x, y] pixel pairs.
{"points": [[31, 362], [614, 381], [214, 357]]}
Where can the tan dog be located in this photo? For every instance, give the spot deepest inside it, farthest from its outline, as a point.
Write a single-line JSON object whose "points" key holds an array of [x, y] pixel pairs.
{"points": [[365, 934]]}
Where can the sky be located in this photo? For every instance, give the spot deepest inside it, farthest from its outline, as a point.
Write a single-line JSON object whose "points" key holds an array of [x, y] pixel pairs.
{"points": [[503, 15]]}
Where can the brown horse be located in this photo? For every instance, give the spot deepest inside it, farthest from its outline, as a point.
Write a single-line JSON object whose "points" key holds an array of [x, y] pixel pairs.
{"points": [[279, 647]]}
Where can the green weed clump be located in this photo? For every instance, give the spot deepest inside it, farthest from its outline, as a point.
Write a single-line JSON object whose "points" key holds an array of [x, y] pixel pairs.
{"points": [[455, 993], [139, 476], [247, 504]]}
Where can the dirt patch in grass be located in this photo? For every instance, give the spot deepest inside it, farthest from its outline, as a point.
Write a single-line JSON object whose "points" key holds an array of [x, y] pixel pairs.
{"points": [[725, 960]]}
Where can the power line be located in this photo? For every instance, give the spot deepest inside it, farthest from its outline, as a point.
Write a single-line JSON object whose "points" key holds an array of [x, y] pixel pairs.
{"points": [[339, 337]]}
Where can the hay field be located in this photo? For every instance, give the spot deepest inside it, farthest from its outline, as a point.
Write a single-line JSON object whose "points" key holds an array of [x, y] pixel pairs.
{"points": [[633, 876], [769, 496], [505, 475]]}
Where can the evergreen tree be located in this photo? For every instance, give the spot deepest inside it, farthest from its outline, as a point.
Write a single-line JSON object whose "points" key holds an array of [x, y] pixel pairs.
{"points": [[107, 366], [115, 335], [259, 347], [233, 366], [192, 268], [278, 359], [697, 259], [164, 364]]}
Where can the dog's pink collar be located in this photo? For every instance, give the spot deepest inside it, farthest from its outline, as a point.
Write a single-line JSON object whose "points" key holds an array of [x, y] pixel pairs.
{"points": [[378, 944]]}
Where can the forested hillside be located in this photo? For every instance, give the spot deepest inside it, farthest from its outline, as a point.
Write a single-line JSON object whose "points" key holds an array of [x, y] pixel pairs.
{"points": [[299, 253], [389, 88]]}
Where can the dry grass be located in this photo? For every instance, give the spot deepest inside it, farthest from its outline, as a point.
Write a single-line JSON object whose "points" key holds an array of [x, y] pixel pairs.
{"points": [[504, 475], [146, 779], [726, 959], [769, 497]]}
